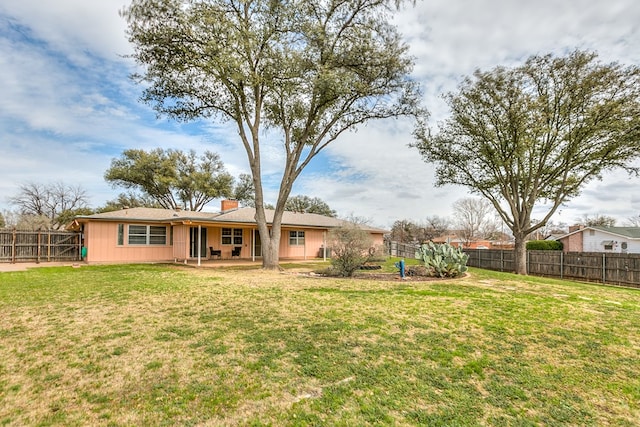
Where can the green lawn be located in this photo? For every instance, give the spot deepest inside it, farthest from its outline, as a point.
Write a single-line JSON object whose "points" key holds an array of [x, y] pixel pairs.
{"points": [[162, 345]]}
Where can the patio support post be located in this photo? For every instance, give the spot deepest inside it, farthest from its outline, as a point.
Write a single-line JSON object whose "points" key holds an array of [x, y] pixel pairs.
{"points": [[199, 243], [324, 245]]}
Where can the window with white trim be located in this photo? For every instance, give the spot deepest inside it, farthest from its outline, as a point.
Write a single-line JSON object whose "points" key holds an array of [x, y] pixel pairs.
{"points": [[231, 236], [296, 238], [147, 235]]}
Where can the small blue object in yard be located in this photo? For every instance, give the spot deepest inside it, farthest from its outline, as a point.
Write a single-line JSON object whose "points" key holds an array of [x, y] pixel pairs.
{"points": [[83, 252], [400, 266]]}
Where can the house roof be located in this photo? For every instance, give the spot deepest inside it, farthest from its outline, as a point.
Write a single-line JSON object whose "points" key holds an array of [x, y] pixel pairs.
{"points": [[627, 232], [235, 216], [149, 214]]}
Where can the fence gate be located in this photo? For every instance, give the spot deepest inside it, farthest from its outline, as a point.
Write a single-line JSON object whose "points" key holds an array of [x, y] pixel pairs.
{"points": [[39, 246]]}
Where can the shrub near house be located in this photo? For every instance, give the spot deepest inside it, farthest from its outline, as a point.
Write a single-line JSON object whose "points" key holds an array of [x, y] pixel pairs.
{"points": [[351, 247], [544, 245]]}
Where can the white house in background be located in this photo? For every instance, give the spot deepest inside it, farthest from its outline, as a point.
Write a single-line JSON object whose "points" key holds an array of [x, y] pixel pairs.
{"points": [[601, 239]]}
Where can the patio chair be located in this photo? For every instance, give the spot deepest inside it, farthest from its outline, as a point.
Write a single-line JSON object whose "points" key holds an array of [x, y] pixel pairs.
{"points": [[236, 251], [215, 252]]}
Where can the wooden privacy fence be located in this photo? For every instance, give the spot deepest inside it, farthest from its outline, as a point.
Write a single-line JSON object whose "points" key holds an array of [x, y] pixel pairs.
{"points": [[609, 268], [402, 250], [39, 246]]}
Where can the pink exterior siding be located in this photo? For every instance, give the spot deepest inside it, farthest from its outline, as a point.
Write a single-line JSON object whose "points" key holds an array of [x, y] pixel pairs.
{"points": [[313, 240], [378, 239], [180, 242], [214, 240], [102, 246]]}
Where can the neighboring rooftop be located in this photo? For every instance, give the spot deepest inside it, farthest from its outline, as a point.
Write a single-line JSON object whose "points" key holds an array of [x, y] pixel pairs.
{"points": [[628, 232]]}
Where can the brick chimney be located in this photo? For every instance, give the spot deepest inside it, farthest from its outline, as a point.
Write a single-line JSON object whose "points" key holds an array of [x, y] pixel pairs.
{"points": [[573, 228], [228, 205]]}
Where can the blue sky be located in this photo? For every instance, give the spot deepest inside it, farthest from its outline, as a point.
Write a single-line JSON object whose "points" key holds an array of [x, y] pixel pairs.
{"points": [[67, 106]]}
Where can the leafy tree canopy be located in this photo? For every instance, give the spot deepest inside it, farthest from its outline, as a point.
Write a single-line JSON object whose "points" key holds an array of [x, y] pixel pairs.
{"points": [[244, 191], [305, 70], [306, 204], [539, 131], [128, 200], [68, 215], [172, 178]]}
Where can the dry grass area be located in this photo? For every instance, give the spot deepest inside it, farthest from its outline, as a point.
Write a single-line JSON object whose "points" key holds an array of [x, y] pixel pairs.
{"points": [[163, 345]]}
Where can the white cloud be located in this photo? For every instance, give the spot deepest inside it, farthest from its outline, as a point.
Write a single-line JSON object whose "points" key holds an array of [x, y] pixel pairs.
{"points": [[68, 106], [78, 28], [379, 176]]}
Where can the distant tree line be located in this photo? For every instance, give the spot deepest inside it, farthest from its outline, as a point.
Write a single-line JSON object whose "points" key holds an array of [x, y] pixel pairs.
{"points": [[174, 179], [473, 219]]}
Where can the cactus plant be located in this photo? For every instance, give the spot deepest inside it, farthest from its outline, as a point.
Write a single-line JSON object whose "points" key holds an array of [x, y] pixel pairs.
{"points": [[442, 260]]}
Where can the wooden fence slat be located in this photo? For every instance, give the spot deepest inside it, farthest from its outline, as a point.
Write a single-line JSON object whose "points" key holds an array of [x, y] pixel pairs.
{"points": [[610, 268], [25, 246]]}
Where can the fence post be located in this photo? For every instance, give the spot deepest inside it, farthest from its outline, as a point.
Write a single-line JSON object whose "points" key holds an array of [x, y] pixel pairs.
{"points": [[561, 264], [38, 248], [604, 271], [13, 247]]}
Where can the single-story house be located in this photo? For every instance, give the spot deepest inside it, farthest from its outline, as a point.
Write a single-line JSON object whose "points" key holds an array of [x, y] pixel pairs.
{"points": [[601, 239], [158, 235]]}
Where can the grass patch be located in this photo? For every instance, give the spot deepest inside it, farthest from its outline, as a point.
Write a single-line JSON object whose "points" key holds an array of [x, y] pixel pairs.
{"points": [[165, 345]]}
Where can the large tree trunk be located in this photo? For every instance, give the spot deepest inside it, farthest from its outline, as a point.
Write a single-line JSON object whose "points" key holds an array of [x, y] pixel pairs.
{"points": [[270, 238], [520, 254], [271, 250]]}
